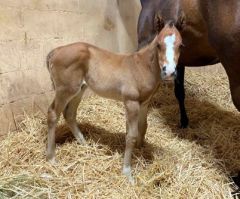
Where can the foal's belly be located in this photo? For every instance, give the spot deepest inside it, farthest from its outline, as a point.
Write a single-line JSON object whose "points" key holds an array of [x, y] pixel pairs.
{"points": [[109, 90]]}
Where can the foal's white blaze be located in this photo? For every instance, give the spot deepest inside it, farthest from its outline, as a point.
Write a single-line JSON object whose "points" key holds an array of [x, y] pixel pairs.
{"points": [[171, 64]]}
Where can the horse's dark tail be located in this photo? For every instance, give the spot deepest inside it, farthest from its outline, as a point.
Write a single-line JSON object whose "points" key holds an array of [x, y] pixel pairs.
{"points": [[48, 60]]}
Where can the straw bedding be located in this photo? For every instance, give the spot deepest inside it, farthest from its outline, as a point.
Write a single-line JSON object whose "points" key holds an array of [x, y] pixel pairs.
{"points": [[192, 163]]}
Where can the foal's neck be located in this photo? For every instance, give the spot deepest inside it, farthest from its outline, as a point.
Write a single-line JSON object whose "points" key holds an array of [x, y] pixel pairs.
{"points": [[149, 54]]}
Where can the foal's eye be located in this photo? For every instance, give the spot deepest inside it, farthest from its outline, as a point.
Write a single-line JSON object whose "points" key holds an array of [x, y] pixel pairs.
{"points": [[158, 46], [181, 46]]}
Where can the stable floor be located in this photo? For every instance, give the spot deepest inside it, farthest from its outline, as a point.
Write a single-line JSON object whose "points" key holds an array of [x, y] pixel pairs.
{"points": [[192, 163]]}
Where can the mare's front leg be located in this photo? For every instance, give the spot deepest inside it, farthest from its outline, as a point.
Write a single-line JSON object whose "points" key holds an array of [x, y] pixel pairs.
{"points": [[232, 67], [234, 81], [132, 114], [180, 95]]}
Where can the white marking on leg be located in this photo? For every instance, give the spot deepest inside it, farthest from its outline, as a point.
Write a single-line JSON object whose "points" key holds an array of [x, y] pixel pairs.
{"points": [[53, 161], [127, 171], [84, 83], [170, 65]]}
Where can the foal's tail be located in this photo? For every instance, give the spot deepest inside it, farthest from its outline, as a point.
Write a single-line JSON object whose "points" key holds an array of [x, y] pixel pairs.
{"points": [[48, 62]]}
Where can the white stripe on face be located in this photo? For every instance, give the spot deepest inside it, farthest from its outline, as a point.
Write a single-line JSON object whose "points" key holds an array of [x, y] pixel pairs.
{"points": [[170, 65]]}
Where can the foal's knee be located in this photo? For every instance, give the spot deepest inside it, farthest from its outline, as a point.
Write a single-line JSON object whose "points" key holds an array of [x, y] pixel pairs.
{"points": [[52, 117]]}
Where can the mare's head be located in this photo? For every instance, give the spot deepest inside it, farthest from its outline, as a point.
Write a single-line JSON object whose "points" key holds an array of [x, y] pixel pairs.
{"points": [[168, 43]]}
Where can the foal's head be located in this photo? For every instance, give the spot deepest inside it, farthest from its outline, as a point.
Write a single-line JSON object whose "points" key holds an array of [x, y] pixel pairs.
{"points": [[169, 43]]}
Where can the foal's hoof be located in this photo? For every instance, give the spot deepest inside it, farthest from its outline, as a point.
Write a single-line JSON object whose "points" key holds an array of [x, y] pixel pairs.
{"points": [[127, 173], [131, 180], [52, 161], [82, 142], [236, 180]]}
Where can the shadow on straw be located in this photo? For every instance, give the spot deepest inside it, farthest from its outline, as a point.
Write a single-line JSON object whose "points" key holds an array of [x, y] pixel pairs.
{"points": [[210, 126], [114, 140]]}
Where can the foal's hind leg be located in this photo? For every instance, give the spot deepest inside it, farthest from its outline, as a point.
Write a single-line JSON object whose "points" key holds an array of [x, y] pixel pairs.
{"points": [[70, 114], [61, 99]]}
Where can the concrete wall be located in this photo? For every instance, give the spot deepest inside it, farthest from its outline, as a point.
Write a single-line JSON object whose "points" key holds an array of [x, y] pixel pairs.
{"points": [[29, 29]]}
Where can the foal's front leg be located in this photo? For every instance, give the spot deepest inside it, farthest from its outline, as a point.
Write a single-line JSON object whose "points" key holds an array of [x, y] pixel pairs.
{"points": [[132, 115], [142, 124]]}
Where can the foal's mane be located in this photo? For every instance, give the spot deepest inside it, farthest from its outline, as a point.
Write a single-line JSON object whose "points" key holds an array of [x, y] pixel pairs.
{"points": [[151, 45]]}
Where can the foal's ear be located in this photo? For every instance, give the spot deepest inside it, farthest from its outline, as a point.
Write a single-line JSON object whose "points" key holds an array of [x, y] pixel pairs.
{"points": [[181, 22], [158, 23]]}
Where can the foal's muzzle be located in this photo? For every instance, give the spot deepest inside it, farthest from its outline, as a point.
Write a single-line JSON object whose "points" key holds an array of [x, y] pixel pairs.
{"points": [[168, 77]]}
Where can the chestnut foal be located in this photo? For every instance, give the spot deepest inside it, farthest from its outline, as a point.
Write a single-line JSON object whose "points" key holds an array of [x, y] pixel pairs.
{"points": [[131, 78]]}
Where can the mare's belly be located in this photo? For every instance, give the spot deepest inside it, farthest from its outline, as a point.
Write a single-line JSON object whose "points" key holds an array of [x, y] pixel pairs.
{"points": [[197, 52]]}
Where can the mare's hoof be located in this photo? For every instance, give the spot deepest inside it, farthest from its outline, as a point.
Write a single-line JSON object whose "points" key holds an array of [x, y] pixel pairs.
{"points": [[183, 126], [184, 123], [236, 194], [236, 180]]}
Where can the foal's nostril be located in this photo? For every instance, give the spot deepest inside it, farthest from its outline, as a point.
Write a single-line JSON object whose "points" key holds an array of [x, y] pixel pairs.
{"points": [[174, 74], [164, 68]]}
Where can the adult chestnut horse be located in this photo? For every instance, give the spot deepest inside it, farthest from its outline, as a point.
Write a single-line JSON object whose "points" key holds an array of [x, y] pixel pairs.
{"points": [[211, 33]]}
